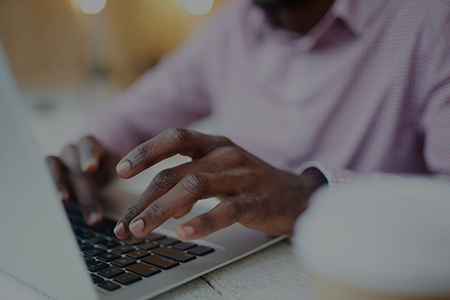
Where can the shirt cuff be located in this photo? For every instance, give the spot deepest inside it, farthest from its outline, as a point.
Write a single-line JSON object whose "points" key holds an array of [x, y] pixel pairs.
{"points": [[337, 177]]}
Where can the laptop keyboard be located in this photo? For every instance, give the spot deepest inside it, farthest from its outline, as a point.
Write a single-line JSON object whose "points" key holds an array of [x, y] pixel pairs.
{"points": [[113, 264]]}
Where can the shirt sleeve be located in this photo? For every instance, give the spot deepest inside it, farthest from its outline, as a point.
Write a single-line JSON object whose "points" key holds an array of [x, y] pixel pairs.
{"points": [[174, 93], [433, 84], [336, 177], [435, 77]]}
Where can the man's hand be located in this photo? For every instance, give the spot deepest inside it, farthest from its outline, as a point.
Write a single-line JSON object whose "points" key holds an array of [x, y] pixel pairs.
{"points": [[79, 174], [251, 192]]}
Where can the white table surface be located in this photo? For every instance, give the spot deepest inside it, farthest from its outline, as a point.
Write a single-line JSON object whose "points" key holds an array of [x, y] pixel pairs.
{"points": [[273, 273]]}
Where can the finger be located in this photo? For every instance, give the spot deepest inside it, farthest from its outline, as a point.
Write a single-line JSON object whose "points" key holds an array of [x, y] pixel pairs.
{"points": [[90, 152], [170, 142], [86, 192], [163, 182], [88, 197], [189, 190], [225, 214], [183, 212], [59, 177]]}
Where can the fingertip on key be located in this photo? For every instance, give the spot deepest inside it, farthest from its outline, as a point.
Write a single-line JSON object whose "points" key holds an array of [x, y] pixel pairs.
{"points": [[137, 227], [185, 232], [64, 196], [94, 218], [119, 230]]}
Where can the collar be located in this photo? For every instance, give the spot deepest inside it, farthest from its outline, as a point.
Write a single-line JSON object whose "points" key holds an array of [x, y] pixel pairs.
{"points": [[352, 13]]}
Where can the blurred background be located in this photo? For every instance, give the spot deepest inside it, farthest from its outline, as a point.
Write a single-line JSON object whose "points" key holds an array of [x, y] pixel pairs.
{"points": [[70, 57]]}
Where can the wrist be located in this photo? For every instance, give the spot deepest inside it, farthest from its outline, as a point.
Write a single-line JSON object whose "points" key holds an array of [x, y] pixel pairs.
{"points": [[309, 184]]}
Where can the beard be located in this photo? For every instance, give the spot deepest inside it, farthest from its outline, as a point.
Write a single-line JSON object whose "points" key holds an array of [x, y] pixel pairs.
{"points": [[271, 5]]}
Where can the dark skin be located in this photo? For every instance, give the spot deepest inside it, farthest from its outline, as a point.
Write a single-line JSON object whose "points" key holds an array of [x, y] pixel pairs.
{"points": [[251, 191], [296, 15], [80, 172]]}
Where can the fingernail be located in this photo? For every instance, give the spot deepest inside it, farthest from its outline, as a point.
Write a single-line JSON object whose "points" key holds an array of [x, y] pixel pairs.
{"points": [[63, 195], [119, 230], [90, 166], [186, 232], [124, 167], [93, 217], [137, 227]]}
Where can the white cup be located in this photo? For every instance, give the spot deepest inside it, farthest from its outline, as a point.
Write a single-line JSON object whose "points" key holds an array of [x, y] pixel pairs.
{"points": [[383, 240]]}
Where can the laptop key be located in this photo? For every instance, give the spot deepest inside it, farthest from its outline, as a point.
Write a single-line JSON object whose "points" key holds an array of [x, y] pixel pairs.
{"points": [[108, 256], [127, 278], [96, 266], [85, 246], [136, 254], [155, 236], [123, 262], [184, 246], [168, 241], [96, 279], [105, 228], [94, 251], [148, 246], [201, 250], [134, 241], [83, 233], [88, 259], [109, 285], [143, 270], [96, 240], [175, 254], [76, 218], [123, 249], [109, 244], [160, 261], [110, 272]]}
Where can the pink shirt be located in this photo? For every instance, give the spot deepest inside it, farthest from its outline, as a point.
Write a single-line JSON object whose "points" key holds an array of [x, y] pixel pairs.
{"points": [[366, 92]]}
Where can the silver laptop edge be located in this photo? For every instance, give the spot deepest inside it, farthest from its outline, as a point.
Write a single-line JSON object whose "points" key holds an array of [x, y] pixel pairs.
{"points": [[37, 242]]}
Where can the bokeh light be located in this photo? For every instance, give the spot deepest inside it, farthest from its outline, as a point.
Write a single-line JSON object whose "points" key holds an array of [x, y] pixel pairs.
{"points": [[198, 7], [92, 7]]}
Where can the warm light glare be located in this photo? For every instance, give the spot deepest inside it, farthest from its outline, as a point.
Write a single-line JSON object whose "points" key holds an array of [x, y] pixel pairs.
{"points": [[198, 7], [92, 7]]}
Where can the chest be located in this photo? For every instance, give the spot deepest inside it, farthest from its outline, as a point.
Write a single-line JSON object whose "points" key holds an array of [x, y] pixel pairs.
{"points": [[285, 104]]}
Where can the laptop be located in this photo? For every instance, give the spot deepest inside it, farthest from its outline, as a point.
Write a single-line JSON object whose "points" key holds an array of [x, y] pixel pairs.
{"points": [[48, 245]]}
